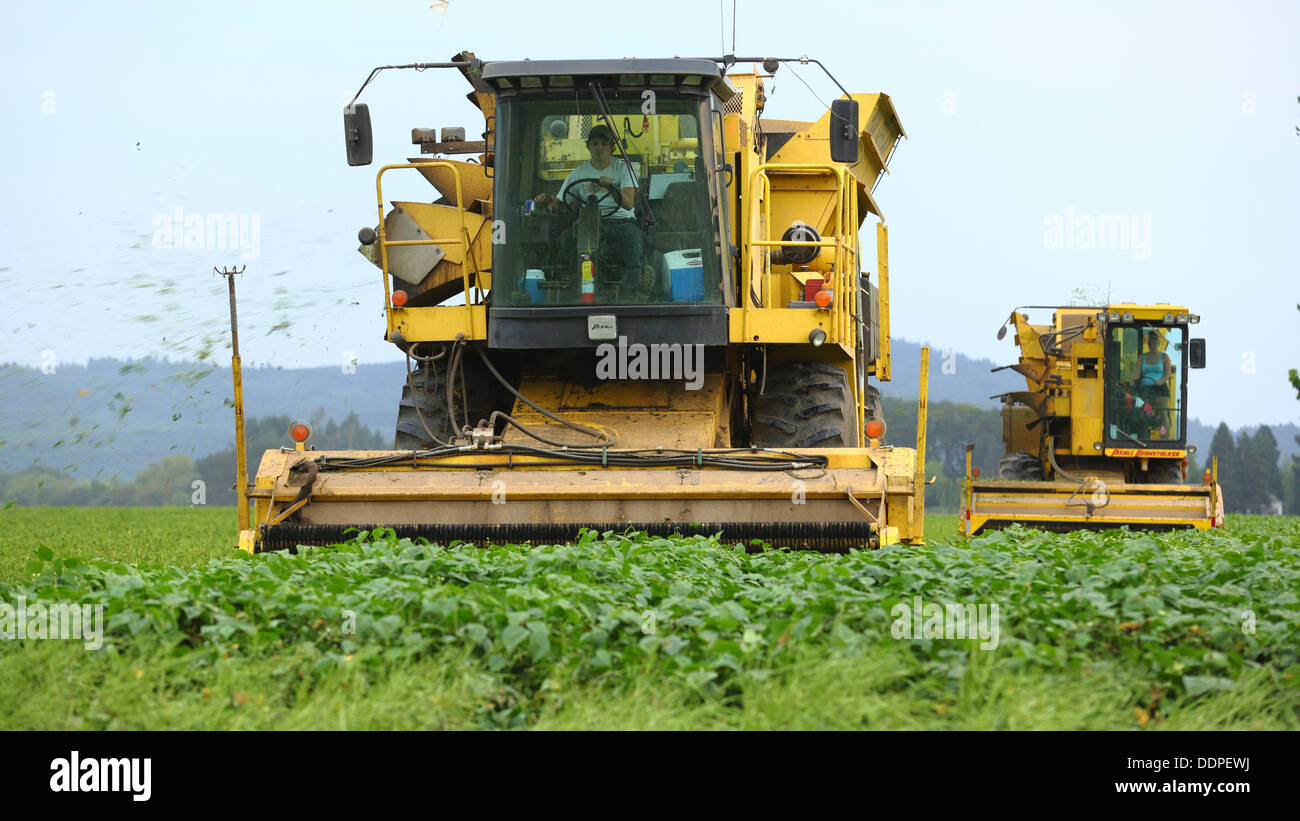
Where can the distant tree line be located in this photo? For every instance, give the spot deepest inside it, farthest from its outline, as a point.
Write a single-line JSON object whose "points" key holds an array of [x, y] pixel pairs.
{"points": [[950, 427], [1252, 479], [172, 479]]}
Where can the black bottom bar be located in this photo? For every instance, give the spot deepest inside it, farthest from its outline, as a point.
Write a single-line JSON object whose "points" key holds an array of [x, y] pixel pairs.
{"points": [[829, 537]]}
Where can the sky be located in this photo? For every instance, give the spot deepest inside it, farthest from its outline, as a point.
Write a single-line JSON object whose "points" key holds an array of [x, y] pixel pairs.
{"points": [[1025, 121]]}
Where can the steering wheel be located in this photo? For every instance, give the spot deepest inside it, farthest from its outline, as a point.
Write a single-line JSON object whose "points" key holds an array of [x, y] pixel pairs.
{"points": [[605, 201]]}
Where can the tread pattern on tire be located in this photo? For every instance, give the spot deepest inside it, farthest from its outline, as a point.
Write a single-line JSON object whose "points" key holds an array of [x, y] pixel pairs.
{"points": [[804, 405], [1023, 467]]}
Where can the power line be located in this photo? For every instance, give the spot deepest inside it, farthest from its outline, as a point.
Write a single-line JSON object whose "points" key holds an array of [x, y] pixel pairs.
{"points": [[810, 88], [722, 25], [733, 26]]}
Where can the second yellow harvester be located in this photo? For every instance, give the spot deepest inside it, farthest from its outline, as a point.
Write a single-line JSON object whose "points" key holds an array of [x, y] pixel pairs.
{"points": [[1099, 436]]}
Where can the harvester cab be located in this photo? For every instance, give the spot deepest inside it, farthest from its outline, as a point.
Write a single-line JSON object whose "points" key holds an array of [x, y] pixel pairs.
{"points": [[1099, 436], [636, 304]]}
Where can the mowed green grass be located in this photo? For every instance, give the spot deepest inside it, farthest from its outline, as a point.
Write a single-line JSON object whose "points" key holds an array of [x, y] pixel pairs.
{"points": [[1122, 659], [140, 536]]}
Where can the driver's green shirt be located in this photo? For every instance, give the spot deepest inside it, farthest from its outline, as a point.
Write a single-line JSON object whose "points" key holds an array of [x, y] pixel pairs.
{"points": [[617, 171]]}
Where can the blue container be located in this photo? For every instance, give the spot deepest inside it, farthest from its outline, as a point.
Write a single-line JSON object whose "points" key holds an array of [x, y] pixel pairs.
{"points": [[532, 284], [685, 275]]}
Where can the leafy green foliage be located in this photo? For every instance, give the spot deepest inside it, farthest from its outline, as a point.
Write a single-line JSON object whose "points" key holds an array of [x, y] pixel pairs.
{"points": [[1177, 617]]}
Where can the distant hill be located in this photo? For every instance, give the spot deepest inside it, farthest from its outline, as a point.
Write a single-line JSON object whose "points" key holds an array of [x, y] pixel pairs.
{"points": [[954, 377], [111, 417]]}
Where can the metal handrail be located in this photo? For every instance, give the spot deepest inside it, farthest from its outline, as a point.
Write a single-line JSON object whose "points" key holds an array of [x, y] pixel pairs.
{"points": [[462, 240], [844, 249]]}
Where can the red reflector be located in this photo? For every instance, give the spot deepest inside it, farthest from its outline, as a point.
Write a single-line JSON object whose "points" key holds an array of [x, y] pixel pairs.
{"points": [[968, 514], [975, 472]]}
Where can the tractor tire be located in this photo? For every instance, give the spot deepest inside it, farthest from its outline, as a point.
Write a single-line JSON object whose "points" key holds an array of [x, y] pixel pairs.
{"points": [[1163, 473], [804, 405], [423, 409], [1021, 467], [873, 407]]}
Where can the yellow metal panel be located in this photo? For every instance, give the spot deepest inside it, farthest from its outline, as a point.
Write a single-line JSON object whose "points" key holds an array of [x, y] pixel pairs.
{"points": [[441, 174], [637, 413], [778, 324], [442, 323], [1088, 350], [685, 430], [641, 393], [443, 222], [1085, 423], [1027, 337], [1065, 503], [880, 131]]}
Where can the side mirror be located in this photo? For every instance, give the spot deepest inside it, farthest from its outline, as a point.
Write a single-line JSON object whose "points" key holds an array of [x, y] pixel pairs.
{"points": [[1196, 353], [356, 134], [844, 131]]}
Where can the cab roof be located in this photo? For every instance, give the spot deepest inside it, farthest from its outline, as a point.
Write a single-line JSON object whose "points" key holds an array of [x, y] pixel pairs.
{"points": [[681, 72], [586, 68]]}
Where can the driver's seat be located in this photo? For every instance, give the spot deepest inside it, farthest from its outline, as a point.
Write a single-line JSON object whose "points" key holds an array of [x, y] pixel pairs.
{"points": [[678, 218]]}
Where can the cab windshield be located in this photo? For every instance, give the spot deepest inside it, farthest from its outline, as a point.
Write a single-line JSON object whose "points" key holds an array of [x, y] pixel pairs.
{"points": [[581, 226], [1145, 391]]}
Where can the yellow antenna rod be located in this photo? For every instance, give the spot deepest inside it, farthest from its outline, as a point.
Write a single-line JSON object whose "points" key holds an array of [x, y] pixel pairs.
{"points": [[236, 373]]}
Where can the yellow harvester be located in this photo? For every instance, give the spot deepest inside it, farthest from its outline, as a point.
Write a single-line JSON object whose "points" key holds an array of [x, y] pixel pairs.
{"points": [[668, 330], [1099, 436]]}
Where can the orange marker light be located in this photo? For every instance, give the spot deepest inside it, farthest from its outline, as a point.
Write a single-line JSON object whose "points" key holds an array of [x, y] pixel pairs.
{"points": [[822, 299], [875, 429], [975, 473], [399, 298], [300, 432], [1207, 476]]}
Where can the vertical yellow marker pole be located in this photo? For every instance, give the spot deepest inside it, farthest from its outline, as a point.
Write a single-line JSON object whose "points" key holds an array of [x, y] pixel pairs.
{"points": [[884, 357], [918, 506], [237, 374], [1215, 501], [967, 493]]}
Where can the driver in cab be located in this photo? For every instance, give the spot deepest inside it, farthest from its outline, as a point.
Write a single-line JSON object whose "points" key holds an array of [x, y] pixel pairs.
{"points": [[612, 183], [1152, 382]]}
